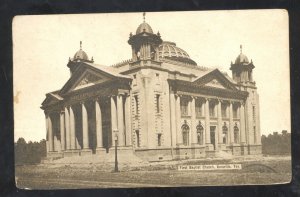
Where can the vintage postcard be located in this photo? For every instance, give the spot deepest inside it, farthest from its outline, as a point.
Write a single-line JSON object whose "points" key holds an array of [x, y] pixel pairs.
{"points": [[156, 99]]}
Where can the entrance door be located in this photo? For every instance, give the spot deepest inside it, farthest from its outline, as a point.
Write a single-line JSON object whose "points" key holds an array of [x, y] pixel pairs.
{"points": [[212, 136]]}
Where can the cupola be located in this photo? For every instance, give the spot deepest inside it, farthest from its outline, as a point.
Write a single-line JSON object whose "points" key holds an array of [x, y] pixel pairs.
{"points": [[242, 68]]}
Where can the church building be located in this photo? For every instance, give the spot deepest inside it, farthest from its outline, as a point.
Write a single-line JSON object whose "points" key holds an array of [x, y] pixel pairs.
{"points": [[158, 105]]}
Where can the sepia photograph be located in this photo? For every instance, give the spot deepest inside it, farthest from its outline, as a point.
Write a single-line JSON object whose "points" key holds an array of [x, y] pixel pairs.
{"points": [[152, 99]]}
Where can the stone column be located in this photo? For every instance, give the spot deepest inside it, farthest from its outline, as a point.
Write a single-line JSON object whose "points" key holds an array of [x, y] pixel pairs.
{"points": [[50, 133], [193, 125], [85, 127], [72, 129], [173, 118], [113, 111], [220, 130], [62, 131], [207, 123], [178, 121], [98, 124], [120, 120], [47, 133], [231, 140], [242, 123], [67, 125], [128, 120]]}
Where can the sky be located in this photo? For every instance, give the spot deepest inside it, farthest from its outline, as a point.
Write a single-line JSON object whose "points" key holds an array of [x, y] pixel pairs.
{"points": [[42, 45]]}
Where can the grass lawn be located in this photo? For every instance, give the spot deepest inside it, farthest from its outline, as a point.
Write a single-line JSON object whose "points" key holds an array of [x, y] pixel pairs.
{"points": [[263, 170]]}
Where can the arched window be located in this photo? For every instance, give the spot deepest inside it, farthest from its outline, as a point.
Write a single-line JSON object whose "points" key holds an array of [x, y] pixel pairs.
{"points": [[185, 133], [200, 133], [236, 133], [225, 133]]}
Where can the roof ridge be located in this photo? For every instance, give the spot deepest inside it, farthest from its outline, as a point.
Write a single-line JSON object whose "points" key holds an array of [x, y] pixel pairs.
{"points": [[123, 62]]}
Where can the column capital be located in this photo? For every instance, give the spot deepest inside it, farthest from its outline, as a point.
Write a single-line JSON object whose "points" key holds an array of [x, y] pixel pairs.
{"points": [[121, 94], [178, 95], [194, 97], [242, 103], [220, 100], [96, 99], [207, 99]]}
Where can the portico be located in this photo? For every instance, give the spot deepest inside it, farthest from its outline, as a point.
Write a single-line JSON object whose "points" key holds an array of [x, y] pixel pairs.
{"points": [[82, 123]]}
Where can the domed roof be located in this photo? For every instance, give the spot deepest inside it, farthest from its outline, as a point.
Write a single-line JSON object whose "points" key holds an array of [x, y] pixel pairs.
{"points": [[80, 54], [144, 27], [241, 58], [169, 50]]}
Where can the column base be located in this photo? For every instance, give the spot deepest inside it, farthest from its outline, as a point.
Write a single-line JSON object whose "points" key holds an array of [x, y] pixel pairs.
{"points": [[209, 147], [54, 154], [222, 147], [122, 149], [85, 151], [196, 145], [100, 151], [71, 153]]}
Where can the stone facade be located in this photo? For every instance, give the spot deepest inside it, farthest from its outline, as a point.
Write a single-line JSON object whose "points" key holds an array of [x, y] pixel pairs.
{"points": [[159, 105]]}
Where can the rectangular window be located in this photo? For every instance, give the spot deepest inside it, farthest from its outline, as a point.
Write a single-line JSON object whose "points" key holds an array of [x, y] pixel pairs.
{"points": [[134, 80], [235, 111], [159, 139], [136, 104], [157, 78], [137, 133], [224, 110], [212, 110], [253, 113], [184, 107], [198, 108], [254, 133], [157, 103]]}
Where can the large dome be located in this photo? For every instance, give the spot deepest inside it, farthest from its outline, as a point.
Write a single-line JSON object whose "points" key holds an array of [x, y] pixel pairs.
{"points": [[144, 27], [169, 50]]}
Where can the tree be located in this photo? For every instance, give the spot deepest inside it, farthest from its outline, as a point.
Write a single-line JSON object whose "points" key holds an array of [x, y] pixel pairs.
{"points": [[29, 153], [276, 143]]}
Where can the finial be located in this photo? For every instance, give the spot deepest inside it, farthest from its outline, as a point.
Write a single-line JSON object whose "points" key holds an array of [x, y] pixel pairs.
{"points": [[144, 14], [80, 45], [92, 58], [241, 48]]}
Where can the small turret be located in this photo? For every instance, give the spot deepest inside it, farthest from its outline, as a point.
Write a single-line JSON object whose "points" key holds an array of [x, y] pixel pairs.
{"points": [[242, 68], [144, 43]]}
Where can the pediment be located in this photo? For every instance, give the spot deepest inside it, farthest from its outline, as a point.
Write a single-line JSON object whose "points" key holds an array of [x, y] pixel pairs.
{"points": [[215, 83], [51, 99], [87, 79], [215, 79]]}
